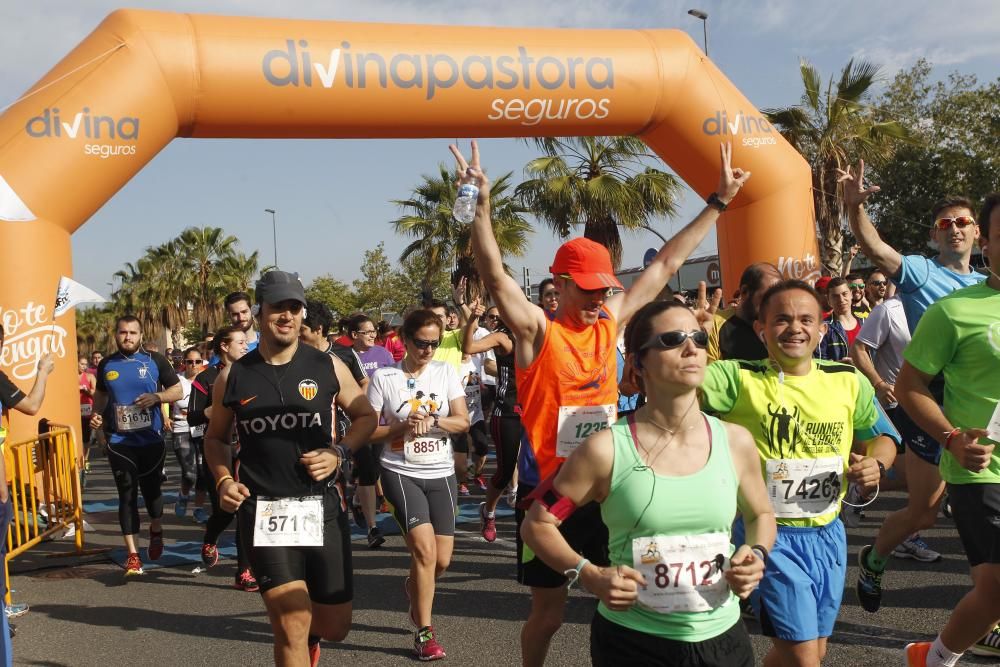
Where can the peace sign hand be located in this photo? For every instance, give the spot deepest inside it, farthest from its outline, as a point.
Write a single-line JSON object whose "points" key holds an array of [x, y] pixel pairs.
{"points": [[471, 171], [730, 180], [855, 192], [705, 309]]}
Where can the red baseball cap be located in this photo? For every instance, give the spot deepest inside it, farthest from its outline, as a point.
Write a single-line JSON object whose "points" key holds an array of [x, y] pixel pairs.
{"points": [[822, 283], [588, 263]]}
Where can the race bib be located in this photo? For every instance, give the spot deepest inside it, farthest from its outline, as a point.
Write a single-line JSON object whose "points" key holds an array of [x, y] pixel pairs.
{"points": [[86, 409], [683, 572], [804, 488], [473, 395], [132, 418], [426, 450], [289, 522], [576, 423], [198, 431], [993, 430]]}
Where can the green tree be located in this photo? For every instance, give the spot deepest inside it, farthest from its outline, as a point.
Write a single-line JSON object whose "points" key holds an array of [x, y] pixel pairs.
{"points": [[446, 244], [957, 122], [602, 183], [334, 293], [94, 326], [409, 280], [832, 129], [374, 290]]}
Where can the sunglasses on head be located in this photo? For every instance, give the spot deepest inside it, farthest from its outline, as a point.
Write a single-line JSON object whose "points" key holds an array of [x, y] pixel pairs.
{"points": [[422, 344], [961, 222], [668, 340]]}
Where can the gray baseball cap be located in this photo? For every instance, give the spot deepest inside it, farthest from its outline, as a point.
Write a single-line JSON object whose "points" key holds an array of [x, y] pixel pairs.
{"points": [[277, 286]]}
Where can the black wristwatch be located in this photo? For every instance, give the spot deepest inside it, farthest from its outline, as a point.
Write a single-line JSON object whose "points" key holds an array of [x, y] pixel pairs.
{"points": [[716, 203], [761, 553], [881, 469], [435, 421]]}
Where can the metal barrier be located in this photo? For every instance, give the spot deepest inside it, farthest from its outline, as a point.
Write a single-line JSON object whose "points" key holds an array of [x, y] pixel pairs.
{"points": [[45, 492]]}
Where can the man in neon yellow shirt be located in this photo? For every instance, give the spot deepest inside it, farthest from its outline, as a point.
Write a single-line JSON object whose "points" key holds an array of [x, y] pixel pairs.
{"points": [[959, 336], [804, 414]]}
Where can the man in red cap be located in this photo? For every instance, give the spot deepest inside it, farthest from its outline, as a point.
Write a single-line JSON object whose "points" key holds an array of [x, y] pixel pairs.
{"points": [[565, 367], [821, 284]]}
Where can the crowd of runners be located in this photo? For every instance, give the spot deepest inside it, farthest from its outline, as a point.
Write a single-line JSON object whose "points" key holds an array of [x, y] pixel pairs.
{"points": [[686, 464]]}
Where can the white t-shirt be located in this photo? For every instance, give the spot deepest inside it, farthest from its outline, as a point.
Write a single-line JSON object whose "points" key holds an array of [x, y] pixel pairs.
{"points": [[472, 381], [480, 333], [885, 331], [177, 417], [393, 396]]}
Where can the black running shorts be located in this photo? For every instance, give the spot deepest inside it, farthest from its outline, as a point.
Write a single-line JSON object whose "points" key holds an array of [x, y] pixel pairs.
{"points": [[612, 644], [976, 511], [585, 532], [326, 570], [418, 501]]}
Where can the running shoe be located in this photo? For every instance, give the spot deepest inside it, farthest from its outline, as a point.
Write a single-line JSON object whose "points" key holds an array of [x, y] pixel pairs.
{"points": [[245, 581], [869, 586], [463, 490], [914, 547], [409, 601], [425, 646], [314, 653], [15, 610], [133, 565], [916, 654], [375, 538], [155, 548], [384, 507], [481, 481], [487, 524], [209, 554], [200, 515], [988, 646], [181, 506]]}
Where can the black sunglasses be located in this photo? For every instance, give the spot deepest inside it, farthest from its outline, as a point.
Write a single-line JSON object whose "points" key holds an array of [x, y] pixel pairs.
{"points": [[196, 362], [668, 340], [424, 344], [878, 283]]}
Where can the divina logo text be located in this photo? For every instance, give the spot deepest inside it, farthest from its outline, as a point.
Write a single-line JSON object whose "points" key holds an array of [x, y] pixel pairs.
{"points": [[741, 124], [296, 65], [82, 124]]}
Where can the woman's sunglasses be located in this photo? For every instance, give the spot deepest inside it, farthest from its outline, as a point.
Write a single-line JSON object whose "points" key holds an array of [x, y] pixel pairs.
{"points": [[424, 344], [961, 222], [668, 340], [196, 362]]}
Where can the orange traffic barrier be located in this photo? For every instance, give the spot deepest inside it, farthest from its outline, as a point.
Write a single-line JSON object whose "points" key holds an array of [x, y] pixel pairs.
{"points": [[143, 78], [44, 482]]}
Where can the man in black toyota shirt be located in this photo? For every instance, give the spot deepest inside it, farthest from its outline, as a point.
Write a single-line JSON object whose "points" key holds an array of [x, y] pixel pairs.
{"points": [[280, 399]]}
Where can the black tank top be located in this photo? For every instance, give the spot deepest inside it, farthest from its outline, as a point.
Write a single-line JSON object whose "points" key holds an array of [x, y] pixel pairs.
{"points": [[281, 413], [506, 397]]}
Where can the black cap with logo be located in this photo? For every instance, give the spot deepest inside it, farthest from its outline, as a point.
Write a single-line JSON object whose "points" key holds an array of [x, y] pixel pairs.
{"points": [[277, 286]]}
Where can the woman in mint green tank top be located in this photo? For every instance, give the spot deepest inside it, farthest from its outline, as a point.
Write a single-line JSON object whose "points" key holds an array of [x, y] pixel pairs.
{"points": [[670, 480]]}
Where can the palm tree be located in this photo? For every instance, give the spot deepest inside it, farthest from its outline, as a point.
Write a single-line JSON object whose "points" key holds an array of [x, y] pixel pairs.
{"points": [[204, 250], [831, 130], [443, 241], [94, 329], [600, 182]]}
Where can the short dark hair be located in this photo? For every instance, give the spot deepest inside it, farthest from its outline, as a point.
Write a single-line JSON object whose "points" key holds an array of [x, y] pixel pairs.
{"points": [[452, 310], [853, 276], [419, 319], [787, 286], [236, 297], [754, 275], [541, 288], [640, 327], [436, 303], [193, 348], [836, 282], [318, 316], [991, 202], [223, 336], [128, 319], [354, 324], [950, 201]]}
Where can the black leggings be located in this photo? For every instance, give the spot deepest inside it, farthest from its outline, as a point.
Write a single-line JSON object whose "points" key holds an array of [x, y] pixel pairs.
{"points": [[137, 468], [477, 434], [507, 440]]}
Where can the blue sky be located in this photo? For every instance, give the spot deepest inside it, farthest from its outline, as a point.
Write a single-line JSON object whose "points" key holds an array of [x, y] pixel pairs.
{"points": [[345, 186]]}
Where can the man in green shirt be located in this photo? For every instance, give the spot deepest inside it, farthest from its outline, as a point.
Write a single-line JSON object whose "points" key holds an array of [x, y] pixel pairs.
{"points": [[959, 336]]}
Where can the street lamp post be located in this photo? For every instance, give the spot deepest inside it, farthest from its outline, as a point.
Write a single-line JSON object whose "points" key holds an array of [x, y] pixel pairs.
{"points": [[698, 14], [274, 227], [650, 229]]}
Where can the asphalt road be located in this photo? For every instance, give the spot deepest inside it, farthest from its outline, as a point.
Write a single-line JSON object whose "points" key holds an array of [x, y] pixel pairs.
{"points": [[84, 613]]}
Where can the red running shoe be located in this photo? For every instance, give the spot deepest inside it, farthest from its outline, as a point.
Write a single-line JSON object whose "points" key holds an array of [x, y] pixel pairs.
{"points": [[314, 654], [425, 646], [916, 654], [209, 554], [481, 481], [487, 524], [155, 548], [245, 581], [133, 565]]}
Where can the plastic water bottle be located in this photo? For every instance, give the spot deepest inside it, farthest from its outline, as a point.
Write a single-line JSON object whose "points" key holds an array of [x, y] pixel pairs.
{"points": [[465, 204]]}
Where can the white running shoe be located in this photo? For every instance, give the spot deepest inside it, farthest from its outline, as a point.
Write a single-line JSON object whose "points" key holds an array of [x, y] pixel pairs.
{"points": [[915, 548]]}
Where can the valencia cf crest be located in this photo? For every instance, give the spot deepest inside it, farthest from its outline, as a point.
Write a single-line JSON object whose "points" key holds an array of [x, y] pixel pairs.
{"points": [[308, 389]]}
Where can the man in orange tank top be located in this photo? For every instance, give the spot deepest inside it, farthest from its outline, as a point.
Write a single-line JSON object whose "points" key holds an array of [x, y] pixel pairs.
{"points": [[566, 369]]}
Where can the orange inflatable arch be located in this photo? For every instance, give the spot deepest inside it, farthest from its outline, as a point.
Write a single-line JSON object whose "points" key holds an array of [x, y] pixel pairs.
{"points": [[143, 78]]}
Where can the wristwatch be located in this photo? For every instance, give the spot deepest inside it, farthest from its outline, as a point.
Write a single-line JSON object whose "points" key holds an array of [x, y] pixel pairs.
{"points": [[881, 469], [435, 421], [716, 203]]}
